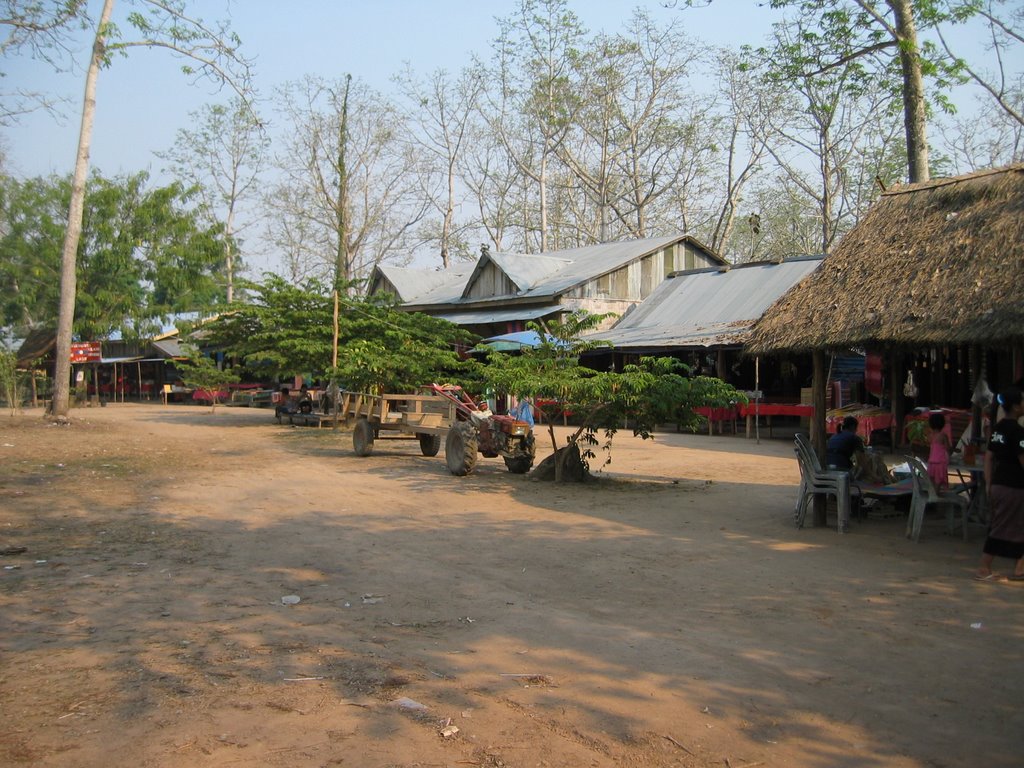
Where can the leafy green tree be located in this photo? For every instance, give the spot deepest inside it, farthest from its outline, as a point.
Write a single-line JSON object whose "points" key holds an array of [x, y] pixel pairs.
{"points": [[286, 330], [32, 216], [9, 384], [650, 392], [200, 372], [384, 349], [144, 252], [282, 330]]}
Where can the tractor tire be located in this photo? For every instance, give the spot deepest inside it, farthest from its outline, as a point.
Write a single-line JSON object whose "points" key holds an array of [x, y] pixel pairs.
{"points": [[521, 463], [362, 438], [429, 444], [460, 449]]}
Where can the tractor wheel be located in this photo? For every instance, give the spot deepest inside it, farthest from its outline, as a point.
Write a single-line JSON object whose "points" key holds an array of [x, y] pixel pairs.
{"points": [[460, 449], [429, 444], [521, 463], [362, 438]]}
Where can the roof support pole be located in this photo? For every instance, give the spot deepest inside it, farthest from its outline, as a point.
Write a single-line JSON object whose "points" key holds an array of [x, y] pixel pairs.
{"points": [[819, 383], [976, 360], [896, 405]]}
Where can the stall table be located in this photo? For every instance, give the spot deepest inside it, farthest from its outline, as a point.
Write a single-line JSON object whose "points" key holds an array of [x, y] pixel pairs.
{"points": [[718, 416], [750, 410]]}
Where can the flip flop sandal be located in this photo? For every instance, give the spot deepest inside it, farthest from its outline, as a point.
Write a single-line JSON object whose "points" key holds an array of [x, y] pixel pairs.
{"points": [[989, 577]]}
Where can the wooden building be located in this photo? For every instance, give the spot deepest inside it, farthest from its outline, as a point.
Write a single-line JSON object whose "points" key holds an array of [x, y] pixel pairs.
{"points": [[500, 292]]}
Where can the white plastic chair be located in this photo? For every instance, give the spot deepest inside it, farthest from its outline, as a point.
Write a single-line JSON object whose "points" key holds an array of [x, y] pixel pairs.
{"points": [[926, 495], [815, 480]]}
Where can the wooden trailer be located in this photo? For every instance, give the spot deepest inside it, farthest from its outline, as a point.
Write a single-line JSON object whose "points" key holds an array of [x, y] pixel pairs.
{"points": [[426, 417]]}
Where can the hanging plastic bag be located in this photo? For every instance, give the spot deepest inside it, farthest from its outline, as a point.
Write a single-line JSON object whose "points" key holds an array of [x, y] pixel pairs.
{"points": [[910, 388]]}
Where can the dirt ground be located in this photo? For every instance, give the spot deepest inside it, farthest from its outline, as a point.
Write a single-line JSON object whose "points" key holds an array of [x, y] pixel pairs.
{"points": [[668, 614]]}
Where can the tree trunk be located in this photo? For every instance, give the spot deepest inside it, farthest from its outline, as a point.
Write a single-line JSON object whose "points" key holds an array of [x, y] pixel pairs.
{"points": [[342, 266], [914, 115], [69, 256], [544, 202], [229, 256], [449, 215]]}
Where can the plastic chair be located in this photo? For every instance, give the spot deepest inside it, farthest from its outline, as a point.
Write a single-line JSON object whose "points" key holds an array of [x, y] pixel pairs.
{"points": [[926, 495], [815, 480]]}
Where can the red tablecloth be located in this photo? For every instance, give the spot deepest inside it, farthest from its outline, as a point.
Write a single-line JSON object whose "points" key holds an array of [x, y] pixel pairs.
{"points": [[203, 395], [776, 409], [727, 413]]}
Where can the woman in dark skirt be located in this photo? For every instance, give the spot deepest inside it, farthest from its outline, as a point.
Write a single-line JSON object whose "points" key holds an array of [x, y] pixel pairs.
{"points": [[1004, 482]]}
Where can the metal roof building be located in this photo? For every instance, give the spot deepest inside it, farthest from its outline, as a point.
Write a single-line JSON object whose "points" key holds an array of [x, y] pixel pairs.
{"points": [[501, 291], [709, 308]]}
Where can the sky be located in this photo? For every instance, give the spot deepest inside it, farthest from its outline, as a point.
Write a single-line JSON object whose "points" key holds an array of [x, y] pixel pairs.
{"points": [[144, 99]]}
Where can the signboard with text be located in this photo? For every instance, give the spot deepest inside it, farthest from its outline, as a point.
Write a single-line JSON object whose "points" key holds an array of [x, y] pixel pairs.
{"points": [[85, 352]]}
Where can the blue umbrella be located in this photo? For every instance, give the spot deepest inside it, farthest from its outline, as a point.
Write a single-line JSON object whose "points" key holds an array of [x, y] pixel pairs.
{"points": [[513, 342]]}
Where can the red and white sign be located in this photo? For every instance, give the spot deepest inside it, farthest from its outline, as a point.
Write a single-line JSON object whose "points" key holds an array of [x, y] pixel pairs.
{"points": [[85, 352]]}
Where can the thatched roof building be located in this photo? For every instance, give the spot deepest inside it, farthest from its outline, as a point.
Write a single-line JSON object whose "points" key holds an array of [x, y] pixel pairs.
{"points": [[934, 263]]}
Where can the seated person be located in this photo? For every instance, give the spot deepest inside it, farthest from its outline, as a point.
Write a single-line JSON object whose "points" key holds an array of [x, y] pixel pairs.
{"points": [[305, 404], [523, 411], [286, 404], [841, 447]]}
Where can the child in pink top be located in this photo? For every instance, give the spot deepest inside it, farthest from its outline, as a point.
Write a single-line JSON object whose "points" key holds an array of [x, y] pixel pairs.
{"points": [[938, 455]]}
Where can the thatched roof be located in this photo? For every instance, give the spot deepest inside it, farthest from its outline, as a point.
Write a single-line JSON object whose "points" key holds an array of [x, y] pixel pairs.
{"points": [[934, 263], [36, 346]]}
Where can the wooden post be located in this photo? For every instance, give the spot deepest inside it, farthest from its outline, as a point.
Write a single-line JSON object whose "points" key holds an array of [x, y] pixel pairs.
{"points": [[976, 361], [818, 384], [334, 363], [897, 370]]}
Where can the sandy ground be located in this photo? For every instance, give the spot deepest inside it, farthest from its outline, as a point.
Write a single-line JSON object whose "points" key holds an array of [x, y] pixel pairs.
{"points": [[668, 614]]}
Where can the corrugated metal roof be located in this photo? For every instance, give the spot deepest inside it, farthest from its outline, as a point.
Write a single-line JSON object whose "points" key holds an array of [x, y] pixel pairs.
{"points": [[708, 307], [169, 348], [474, 317], [525, 270], [415, 284], [587, 263], [549, 274]]}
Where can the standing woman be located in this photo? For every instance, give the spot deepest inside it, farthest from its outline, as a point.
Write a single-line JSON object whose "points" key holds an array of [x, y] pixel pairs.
{"points": [[1004, 482]]}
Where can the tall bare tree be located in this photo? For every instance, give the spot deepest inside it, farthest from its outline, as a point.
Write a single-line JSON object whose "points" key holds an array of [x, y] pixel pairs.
{"points": [[745, 108], [441, 109], [492, 178], [987, 137], [222, 155], [46, 32], [348, 196], [210, 51], [536, 95], [999, 75], [815, 138], [635, 129]]}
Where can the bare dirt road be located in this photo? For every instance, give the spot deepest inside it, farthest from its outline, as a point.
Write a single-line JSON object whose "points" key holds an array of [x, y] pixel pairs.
{"points": [[668, 614]]}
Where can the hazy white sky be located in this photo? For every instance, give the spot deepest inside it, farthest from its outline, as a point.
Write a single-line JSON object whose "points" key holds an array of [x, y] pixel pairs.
{"points": [[143, 99]]}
